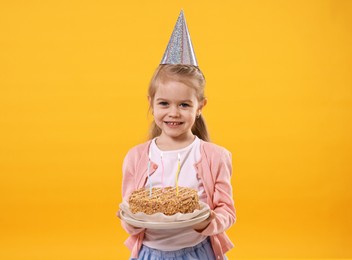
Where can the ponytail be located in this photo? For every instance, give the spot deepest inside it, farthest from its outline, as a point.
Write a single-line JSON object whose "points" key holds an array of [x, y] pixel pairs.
{"points": [[200, 129]]}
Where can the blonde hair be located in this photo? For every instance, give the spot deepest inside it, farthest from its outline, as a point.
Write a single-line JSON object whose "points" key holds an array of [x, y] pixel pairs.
{"points": [[189, 75]]}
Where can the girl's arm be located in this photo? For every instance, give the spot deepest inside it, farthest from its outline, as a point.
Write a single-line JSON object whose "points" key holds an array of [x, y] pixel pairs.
{"points": [[128, 186], [223, 215]]}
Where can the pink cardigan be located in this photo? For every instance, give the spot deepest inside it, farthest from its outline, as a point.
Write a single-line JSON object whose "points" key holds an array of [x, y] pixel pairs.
{"points": [[214, 169]]}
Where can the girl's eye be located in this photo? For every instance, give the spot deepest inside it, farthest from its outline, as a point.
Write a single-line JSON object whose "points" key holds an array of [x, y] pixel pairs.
{"points": [[163, 103], [184, 105]]}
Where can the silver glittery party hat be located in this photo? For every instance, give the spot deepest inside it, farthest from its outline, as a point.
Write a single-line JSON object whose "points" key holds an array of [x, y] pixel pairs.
{"points": [[180, 49]]}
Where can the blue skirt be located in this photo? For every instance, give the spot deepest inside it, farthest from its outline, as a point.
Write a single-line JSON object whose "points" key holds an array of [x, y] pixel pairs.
{"points": [[202, 251]]}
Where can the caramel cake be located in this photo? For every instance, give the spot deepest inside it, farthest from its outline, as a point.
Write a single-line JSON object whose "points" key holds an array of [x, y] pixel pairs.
{"points": [[167, 201]]}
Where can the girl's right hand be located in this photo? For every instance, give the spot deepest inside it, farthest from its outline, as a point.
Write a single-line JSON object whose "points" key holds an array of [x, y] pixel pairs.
{"points": [[118, 214], [199, 227]]}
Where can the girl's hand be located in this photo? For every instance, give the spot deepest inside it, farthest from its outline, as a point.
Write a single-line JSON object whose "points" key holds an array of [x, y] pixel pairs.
{"points": [[132, 230], [199, 227]]}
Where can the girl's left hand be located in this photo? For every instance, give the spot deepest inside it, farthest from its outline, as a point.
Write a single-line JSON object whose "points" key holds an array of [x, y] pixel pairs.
{"points": [[199, 227]]}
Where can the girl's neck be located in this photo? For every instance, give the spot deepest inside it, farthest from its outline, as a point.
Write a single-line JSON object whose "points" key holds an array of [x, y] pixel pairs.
{"points": [[167, 144]]}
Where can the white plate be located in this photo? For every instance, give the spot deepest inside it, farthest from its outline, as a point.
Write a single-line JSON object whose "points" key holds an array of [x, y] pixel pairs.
{"points": [[160, 217], [164, 225]]}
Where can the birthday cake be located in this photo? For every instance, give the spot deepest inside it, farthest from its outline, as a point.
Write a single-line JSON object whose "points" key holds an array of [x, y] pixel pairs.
{"points": [[169, 202]]}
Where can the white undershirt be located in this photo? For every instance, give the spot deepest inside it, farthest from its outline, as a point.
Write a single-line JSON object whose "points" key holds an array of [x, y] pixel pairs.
{"points": [[175, 239]]}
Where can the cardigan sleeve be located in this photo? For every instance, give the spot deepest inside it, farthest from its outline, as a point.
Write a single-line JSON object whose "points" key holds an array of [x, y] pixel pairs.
{"points": [[223, 204], [129, 185]]}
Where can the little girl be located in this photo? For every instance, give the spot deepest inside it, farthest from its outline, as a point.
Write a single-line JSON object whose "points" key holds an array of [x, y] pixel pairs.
{"points": [[176, 98]]}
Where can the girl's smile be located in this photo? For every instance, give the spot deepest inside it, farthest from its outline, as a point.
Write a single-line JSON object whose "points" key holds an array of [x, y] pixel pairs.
{"points": [[173, 124]]}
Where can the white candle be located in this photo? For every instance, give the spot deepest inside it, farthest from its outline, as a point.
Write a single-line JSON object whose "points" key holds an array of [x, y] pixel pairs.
{"points": [[149, 178], [162, 171]]}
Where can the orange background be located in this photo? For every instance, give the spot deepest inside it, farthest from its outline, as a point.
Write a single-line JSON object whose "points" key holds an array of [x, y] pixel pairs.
{"points": [[73, 83]]}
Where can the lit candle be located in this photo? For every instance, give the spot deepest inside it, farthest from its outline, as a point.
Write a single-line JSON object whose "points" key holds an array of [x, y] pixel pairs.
{"points": [[178, 172], [162, 170], [149, 179]]}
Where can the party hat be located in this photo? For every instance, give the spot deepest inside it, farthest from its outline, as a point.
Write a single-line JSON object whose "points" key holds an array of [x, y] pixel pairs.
{"points": [[179, 49]]}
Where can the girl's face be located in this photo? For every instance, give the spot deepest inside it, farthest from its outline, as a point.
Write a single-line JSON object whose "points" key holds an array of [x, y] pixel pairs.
{"points": [[175, 107]]}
